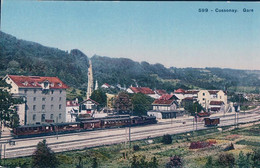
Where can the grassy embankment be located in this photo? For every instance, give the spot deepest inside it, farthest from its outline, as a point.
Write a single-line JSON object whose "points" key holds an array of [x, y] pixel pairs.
{"points": [[244, 139]]}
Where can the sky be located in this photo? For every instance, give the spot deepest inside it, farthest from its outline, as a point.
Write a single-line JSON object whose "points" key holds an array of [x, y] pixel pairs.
{"points": [[171, 33]]}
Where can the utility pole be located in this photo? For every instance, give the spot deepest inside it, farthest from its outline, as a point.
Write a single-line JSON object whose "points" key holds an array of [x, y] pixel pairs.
{"points": [[130, 127], [125, 140], [57, 127], [196, 119], [4, 152]]}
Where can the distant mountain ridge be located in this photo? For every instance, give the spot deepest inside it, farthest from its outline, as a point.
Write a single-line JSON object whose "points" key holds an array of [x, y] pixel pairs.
{"points": [[22, 57]]}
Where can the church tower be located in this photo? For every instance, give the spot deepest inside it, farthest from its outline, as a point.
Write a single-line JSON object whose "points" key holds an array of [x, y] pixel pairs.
{"points": [[90, 80], [96, 85]]}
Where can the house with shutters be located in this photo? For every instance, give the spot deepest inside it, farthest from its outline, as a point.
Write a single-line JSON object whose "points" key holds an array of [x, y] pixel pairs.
{"points": [[164, 107], [88, 106], [45, 98], [72, 110]]}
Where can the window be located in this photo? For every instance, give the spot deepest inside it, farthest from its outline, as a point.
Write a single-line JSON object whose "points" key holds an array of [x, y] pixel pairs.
{"points": [[25, 91], [52, 116], [60, 116], [60, 98], [60, 106], [60, 91], [34, 98], [52, 91], [34, 107], [34, 117], [34, 91], [203, 94], [43, 117], [43, 99], [51, 106], [203, 99], [43, 107], [220, 97], [51, 98]]}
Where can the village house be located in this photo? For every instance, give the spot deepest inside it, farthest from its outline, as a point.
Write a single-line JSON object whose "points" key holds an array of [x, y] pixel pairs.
{"points": [[144, 90], [72, 110], [88, 106], [164, 107], [45, 98], [207, 98]]}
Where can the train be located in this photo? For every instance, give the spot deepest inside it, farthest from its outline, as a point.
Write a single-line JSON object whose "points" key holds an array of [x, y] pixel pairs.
{"points": [[82, 124]]}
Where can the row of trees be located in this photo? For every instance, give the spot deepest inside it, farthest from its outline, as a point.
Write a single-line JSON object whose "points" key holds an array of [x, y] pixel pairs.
{"points": [[249, 160], [125, 102]]}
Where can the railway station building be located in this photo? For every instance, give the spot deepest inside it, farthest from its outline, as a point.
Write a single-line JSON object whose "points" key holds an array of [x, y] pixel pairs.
{"points": [[165, 107], [44, 98]]}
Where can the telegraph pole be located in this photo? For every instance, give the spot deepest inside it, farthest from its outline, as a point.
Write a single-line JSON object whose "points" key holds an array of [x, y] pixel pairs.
{"points": [[57, 127], [130, 127]]}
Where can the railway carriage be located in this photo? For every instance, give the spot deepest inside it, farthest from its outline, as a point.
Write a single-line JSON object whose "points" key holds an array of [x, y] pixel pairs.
{"points": [[84, 124], [115, 122], [91, 124], [33, 130], [66, 127]]}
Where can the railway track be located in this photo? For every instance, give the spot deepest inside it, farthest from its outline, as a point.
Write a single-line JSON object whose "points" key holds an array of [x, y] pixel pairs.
{"points": [[119, 136]]}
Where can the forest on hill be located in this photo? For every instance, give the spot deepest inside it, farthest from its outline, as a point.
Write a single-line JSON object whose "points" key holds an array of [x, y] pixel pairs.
{"points": [[20, 57]]}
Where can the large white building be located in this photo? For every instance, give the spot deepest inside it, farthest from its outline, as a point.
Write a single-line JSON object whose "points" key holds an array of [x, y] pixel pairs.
{"points": [[211, 100], [45, 98]]}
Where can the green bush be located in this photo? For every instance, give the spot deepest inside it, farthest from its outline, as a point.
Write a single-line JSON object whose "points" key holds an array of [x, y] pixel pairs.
{"points": [[167, 139], [136, 148]]}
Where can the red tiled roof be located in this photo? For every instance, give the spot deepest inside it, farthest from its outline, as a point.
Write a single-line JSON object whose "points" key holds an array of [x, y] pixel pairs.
{"points": [[107, 84], [168, 97], [35, 81], [160, 92], [213, 91], [179, 91], [72, 103], [216, 103], [91, 101], [163, 102], [144, 90]]}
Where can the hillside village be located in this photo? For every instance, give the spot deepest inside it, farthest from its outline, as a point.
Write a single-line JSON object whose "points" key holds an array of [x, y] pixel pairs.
{"points": [[45, 101]]}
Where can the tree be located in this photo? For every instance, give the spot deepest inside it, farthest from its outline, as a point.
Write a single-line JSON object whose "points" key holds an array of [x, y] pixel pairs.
{"points": [[143, 163], [256, 158], [94, 164], [80, 165], [123, 103], [153, 163], [141, 104], [226, 160], [100, 97], [7, 105], [209, 163], [43, 156], [192, 108], [242, 161], [167, 139], [175, 162]]}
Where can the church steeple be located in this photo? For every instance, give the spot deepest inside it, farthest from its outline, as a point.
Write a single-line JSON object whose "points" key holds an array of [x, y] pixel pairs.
{"points": [[90, 80], [96, 85]]}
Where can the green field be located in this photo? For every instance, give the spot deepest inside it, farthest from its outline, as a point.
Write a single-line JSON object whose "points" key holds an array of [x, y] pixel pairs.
{"points": [[244, 139]]}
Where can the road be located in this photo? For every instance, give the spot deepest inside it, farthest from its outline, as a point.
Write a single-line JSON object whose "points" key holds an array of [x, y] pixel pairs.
{"points": [[81, 140]]}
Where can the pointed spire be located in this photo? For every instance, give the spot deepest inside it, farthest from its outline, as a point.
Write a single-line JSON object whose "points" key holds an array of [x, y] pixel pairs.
{"points": [[90, 80], [96, 85]]}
